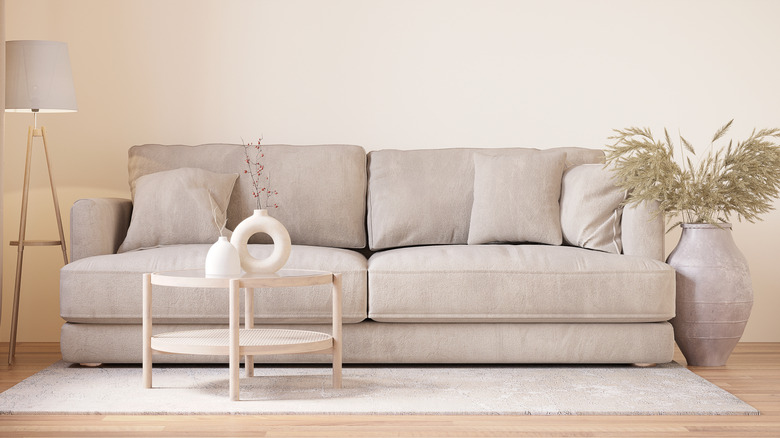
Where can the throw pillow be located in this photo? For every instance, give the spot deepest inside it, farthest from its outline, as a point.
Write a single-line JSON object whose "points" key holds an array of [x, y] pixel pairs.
{"points": [[591, 208], [175, 206], [516, 198]]}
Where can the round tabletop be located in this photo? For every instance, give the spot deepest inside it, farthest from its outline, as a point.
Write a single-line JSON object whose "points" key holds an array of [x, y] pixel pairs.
{"points": [[281, 278]]}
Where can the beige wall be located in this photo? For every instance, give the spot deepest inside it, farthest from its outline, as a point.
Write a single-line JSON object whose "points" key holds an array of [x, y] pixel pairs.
{"points": [[2, 135], [395, 73]]}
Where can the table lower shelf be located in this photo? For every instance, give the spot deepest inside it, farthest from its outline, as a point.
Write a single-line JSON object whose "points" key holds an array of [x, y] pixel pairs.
{"points": [[251, 341]]}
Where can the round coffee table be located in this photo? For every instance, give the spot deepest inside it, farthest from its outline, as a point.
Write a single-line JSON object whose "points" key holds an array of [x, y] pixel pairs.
{"points": [[235, 341]]}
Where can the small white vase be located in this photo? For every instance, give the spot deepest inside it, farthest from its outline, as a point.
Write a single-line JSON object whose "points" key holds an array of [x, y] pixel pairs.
{"points": [[223, 260], [260, 222]]}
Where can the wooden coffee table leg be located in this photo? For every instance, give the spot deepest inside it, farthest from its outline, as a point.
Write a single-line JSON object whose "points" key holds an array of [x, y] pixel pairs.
{"points": [[147, 329], [234, 339], [337, 331], [249, 323]]}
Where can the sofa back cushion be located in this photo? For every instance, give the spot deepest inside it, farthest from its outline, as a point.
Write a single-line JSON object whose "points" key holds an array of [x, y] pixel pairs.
{"points": [[321, 189], [424, 197]]}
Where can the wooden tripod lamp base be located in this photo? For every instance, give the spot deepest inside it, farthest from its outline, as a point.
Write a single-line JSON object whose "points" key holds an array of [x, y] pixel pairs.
{"points": [[38, 79], [32, 132]]}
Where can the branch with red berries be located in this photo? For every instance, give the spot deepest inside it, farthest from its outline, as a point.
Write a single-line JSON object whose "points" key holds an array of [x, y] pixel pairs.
{"points": [[261, 180]]}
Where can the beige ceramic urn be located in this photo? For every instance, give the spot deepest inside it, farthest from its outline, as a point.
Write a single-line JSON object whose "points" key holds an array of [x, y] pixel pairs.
{"points": [[714, 293]]}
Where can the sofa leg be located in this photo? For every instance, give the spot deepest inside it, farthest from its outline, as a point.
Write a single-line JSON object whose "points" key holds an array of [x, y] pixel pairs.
{"points": [[91, 364], [644, 364]]}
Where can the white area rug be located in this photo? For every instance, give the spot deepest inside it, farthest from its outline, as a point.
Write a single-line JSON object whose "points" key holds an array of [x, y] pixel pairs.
{"points": [[668, 389]]}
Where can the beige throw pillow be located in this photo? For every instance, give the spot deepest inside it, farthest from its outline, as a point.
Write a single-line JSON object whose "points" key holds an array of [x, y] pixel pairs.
{"points": [[175, 206], [516, 198], [591, 208]]}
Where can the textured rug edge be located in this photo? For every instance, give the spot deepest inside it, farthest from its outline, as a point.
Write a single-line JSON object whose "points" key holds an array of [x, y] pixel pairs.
{"points": [[747, 411], [427, 414]]}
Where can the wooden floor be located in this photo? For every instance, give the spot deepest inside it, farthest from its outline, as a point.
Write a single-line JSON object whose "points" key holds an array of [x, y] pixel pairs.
{"points": [[752, 374]]}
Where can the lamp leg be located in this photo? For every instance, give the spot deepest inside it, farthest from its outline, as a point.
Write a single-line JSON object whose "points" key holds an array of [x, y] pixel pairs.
{"points": [[54, 196], [20, 250], [15, 314]]}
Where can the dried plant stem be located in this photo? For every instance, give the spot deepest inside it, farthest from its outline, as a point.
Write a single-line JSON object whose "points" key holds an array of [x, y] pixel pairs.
{"points": [[742, 180], [214, 214]]}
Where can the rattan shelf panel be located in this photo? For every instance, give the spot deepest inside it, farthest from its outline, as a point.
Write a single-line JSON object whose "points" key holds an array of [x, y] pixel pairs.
{"points": [[251, 341]]}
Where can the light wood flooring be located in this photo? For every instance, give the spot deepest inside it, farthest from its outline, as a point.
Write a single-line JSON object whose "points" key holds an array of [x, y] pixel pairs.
{"points": [[752, 374]]}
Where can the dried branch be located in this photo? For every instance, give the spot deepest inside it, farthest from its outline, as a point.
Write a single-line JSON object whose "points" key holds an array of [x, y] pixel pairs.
{"points": [[742, 180]]}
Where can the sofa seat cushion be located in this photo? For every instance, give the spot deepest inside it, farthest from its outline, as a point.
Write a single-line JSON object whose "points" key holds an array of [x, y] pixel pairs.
{"points": [[107, 289], [517, 283]]}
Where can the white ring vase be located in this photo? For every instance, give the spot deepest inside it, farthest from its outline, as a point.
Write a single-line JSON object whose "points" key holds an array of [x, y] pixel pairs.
{"points": [[260, 222]]}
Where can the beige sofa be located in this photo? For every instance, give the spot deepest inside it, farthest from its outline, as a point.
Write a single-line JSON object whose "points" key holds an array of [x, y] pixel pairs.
{"points": [[448, 255]]}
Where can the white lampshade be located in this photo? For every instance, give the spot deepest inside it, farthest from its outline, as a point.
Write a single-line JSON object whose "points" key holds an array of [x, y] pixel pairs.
{"points": [[38, 77]]}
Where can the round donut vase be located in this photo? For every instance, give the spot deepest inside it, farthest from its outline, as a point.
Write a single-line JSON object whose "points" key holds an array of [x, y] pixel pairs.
{"points": [[261, 222], [714, 293], [223, 260]]}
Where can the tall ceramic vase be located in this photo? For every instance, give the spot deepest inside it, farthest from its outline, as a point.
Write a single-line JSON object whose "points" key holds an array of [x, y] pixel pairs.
{"points": [[261, 222], [714, 293]]}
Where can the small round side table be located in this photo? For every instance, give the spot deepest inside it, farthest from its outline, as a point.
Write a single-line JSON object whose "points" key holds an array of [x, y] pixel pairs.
{"points": [[235, 341]]}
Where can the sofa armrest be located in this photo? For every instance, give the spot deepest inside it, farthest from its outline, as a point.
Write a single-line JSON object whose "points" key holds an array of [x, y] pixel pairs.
{"points": [[98, 226], [643, 234]]}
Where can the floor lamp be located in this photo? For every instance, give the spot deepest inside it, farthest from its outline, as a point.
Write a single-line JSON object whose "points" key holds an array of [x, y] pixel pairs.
{"points": [[38, 80]]}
